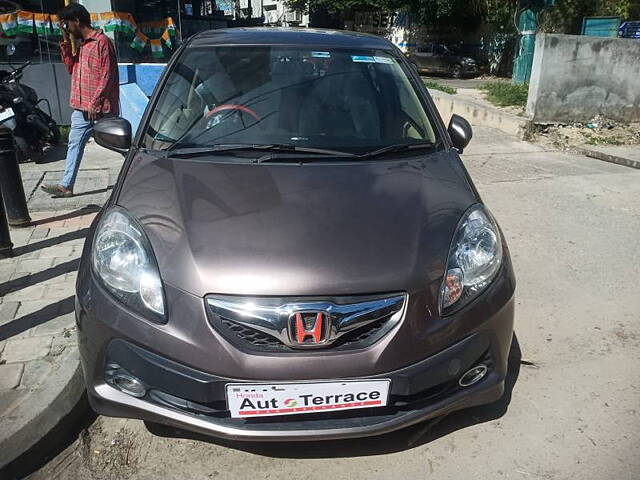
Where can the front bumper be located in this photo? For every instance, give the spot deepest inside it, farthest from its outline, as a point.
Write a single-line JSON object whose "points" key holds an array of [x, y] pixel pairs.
{"points": [[185, 366], [185, 398]]}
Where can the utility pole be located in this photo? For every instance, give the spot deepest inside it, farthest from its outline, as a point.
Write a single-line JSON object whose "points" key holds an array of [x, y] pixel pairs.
{"points": [[527, 28]]}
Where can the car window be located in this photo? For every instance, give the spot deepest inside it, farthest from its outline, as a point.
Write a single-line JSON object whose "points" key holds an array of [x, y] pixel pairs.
{"points": [[350, 100]]}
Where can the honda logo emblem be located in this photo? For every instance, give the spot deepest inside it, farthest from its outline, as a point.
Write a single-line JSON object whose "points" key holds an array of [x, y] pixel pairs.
{"points": [[309, 329]]}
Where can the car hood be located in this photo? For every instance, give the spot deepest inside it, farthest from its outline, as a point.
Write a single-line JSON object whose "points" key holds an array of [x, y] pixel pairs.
{"points": [[341, 228]]}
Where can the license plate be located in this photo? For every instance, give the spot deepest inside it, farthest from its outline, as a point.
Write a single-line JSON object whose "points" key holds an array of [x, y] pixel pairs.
{"points": [[6, 114], [264, 400]]}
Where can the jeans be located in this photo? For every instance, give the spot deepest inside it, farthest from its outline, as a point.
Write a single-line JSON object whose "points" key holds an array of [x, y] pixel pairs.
{"points": [[79, 135]]}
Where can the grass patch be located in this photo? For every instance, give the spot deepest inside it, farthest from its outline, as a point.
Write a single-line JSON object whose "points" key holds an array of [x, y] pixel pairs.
{"points": [[601, 140], [505, 94], [430, 84], [64, 133]]}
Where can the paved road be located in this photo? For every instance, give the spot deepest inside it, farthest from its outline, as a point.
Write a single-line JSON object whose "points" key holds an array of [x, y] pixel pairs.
{"points": [[572, 411]]}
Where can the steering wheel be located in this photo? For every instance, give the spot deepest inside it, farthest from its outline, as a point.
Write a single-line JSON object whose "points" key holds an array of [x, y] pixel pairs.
{"points": [[236, 107]]}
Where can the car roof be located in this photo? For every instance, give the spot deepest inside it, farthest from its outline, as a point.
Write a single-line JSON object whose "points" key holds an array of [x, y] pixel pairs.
{"points": [[289, 36]]}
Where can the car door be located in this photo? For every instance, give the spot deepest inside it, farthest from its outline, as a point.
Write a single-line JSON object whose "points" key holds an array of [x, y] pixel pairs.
{"points": [[440, 60], [423, 58]]}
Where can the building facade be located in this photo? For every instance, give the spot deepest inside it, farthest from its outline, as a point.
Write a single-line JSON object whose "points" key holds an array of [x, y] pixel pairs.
{"points": [[145, 33]]}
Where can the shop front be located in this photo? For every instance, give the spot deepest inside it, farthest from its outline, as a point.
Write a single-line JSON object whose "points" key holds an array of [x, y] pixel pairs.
{"points": [[145, 33]]}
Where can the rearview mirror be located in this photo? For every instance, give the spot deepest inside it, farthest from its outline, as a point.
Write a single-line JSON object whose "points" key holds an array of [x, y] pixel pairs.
{"points": [[460, 132], [113, 133]]}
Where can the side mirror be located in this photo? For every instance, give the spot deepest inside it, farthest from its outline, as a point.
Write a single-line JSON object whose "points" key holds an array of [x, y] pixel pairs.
{"points": [[113, 133], [460, 132]]}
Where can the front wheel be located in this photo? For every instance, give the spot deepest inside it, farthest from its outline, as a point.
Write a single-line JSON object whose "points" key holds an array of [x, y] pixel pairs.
{"points": [[456, 71]]}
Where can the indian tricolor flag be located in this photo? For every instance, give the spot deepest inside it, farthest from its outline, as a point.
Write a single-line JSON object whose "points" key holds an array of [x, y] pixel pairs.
{"points": [[53, 28], [42, 21], [118, 22], [170, 26], [156, 48], [9, 24], [152, 28], [139, 41], [25, 22], [166, 36]]}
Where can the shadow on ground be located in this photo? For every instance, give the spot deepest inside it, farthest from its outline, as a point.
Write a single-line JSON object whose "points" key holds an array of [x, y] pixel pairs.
{"points": [[91, 208], [54, 154], [39, 317], [401, 440]]}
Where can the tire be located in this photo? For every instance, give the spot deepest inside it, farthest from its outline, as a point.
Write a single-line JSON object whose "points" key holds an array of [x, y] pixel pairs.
{"points": [[25, 152], [55, 135], [22, 149], [54, 129], [456, 71]]}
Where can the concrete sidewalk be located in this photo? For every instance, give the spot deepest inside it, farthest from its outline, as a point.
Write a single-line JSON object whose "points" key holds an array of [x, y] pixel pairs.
{"points": [[99, 171], [40, 376], [480, 113]]}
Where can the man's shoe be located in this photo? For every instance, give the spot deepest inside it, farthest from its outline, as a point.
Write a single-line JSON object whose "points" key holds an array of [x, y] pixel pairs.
{"points": [[57, 191]]}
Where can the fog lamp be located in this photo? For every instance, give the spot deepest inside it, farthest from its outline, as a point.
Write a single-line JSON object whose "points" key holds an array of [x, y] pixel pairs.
{"points": [[129, 384], [122, 380]]}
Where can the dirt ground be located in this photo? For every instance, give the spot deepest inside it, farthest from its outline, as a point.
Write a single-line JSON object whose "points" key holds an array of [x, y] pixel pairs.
{"points": [[599, 131]]}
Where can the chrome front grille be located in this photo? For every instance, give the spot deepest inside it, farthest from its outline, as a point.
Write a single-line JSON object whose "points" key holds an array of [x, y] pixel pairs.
{"points": [[254, 337], [269, 324]]}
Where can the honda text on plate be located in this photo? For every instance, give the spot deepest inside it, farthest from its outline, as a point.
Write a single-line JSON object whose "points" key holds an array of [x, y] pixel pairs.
{"points": [[293, 249]]}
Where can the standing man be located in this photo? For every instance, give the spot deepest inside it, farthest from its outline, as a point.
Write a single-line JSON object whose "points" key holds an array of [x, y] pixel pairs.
{"points": [[94, 87]]}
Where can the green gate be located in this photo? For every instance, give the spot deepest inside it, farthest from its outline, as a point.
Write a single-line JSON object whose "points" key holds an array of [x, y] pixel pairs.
{"points": [[601, 26]]}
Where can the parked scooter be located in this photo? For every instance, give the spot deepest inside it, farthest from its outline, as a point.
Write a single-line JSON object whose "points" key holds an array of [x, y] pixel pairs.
{"points": [[20, 111]]}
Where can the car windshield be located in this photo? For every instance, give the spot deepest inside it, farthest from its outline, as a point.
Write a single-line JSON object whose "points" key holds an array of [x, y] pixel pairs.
{"points": [[346, 100]]}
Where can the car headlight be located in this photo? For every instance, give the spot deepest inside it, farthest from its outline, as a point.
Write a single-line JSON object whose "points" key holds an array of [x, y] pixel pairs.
{"points": [[475, 257], [123, 260]]}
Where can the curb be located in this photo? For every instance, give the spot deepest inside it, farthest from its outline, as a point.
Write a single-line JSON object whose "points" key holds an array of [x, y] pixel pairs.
{"points": [[43, 408], [627, 162], [480, 115]]}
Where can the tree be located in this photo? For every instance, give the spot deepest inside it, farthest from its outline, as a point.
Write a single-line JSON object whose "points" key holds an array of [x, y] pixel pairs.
{"points": [[567, 15], [462, 15], [425, 12]]}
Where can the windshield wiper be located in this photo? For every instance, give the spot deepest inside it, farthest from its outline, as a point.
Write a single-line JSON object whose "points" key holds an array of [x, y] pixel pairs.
{"points": [[398, 147], [274, 147]]}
